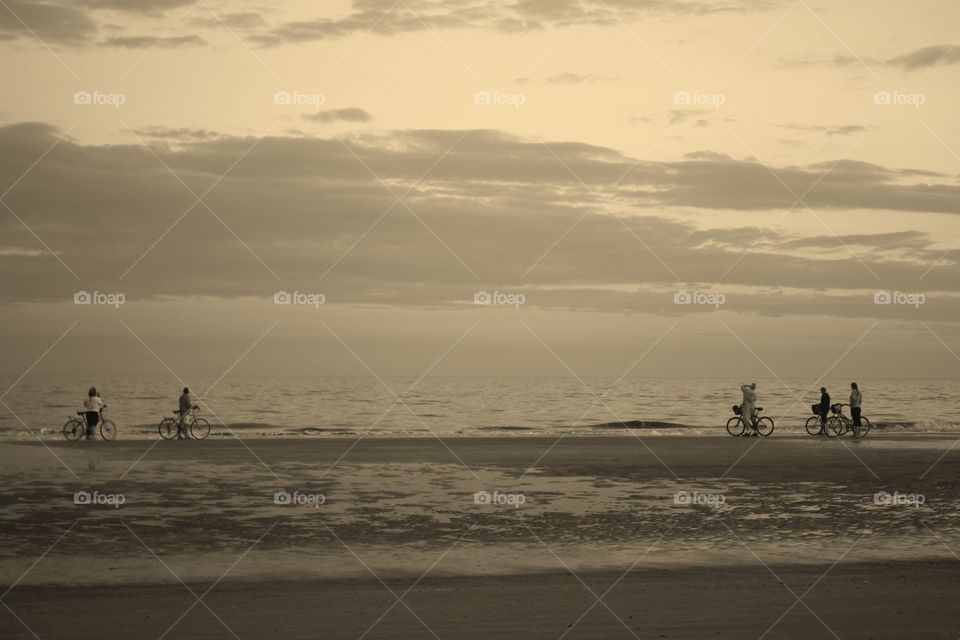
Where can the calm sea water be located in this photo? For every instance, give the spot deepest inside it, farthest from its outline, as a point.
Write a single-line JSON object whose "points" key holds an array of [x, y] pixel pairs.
{"points": [[300, 406]]}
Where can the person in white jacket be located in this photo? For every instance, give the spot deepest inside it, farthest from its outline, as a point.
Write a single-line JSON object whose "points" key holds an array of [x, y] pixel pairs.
{"points": [[749, 405]]}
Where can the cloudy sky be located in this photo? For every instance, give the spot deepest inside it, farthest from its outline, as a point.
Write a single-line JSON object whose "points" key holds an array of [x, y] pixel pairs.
{"points": [[723, 187]]}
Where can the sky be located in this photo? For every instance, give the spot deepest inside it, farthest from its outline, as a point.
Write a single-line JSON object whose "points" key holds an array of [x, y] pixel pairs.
{"points": [[677, 188]]}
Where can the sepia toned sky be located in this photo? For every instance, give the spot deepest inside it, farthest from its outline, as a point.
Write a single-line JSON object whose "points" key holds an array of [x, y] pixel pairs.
{"points": [[789, 164]]}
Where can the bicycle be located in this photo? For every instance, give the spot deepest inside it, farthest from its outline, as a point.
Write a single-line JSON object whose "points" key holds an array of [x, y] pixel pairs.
{"points": [[817, 426], [198, 428], [762, 426], [842, 424], [75, 429]]}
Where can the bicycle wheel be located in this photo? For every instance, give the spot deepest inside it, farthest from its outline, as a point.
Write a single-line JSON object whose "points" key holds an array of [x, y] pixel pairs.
{"points": [[735, 426], [863, 429], [74, 429], [834, 427], [200, 428], [765, 426], [168, 429], [813, 426], [108, 430]]}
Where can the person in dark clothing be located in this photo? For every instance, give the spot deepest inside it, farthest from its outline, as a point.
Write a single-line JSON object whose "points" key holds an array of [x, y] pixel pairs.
{"points": [[824, 407]]}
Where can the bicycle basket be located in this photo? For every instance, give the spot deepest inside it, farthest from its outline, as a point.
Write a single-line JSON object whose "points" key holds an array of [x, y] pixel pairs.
{"points": [[815, 408], [835, 408], [736, 409]]}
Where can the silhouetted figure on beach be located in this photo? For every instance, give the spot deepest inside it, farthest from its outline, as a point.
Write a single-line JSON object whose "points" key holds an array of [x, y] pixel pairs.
{"points": [[748, 407], [824, 407], [186, 406], [91, 411], [856, 401]]}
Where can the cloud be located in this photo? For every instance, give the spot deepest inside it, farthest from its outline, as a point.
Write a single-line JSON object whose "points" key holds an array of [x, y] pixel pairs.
{"points": [[568, 77], [384, 17], [830, 130], [146, 42], [494, 202], [52, 23], [926, 57], [350, 114]]}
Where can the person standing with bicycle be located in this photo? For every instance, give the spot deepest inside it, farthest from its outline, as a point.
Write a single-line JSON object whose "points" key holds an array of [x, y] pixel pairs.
{"points": [[91, 411], [824, 408], [856, 401], [749, 405], [186, 406]]}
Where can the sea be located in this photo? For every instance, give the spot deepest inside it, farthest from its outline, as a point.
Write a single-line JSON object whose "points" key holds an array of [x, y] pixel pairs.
{"points": [[37, 406]]}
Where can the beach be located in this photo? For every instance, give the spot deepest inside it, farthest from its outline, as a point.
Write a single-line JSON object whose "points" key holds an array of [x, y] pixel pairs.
{"points": [[512, 536]]}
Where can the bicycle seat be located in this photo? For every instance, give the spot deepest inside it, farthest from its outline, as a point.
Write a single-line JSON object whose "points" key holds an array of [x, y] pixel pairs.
{"points": [[759, 408]]}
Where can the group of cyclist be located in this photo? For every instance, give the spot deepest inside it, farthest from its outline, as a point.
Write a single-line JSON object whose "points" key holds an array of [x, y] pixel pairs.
{"points": [[748, 410], [93, 406]]}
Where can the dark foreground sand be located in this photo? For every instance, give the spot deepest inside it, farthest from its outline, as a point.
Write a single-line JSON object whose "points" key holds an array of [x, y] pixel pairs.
{"points": [[796, 509]]}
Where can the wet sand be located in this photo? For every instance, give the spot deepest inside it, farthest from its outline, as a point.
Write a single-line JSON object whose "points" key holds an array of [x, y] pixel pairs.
{"points": [[397, 509]]}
